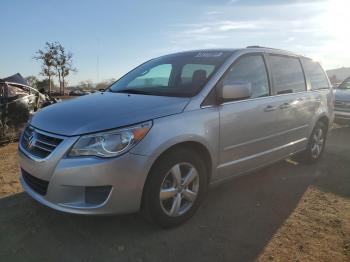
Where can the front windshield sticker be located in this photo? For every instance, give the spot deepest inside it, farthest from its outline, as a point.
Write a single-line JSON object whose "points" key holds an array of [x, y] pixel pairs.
{"points": [[211, 54]]}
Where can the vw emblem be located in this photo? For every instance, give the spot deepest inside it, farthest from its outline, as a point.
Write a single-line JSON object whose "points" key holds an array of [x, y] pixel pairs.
{"points": [[31, 140]]}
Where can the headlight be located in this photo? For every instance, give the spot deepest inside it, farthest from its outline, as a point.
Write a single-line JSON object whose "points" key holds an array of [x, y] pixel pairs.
{"points": [[110, 143]]}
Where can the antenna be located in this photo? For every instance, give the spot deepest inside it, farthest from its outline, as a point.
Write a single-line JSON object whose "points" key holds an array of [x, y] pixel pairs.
{"points": [[98, 61]]}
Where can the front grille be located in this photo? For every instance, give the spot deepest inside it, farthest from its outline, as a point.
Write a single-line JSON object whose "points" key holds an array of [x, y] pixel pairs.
{"points": [[37, 184], [342, 105], [38, 144]]}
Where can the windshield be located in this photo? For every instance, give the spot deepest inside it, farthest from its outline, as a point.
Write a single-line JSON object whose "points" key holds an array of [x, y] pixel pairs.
{"points": [[345, 84], [182, 75]]}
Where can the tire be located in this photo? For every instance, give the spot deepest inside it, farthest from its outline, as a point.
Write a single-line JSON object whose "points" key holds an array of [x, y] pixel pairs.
{"points": [[168, 202], [315, 146]]}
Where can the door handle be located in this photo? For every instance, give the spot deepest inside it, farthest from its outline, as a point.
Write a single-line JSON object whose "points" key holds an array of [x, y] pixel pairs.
{"points": [[270, 108], [284, 106]]}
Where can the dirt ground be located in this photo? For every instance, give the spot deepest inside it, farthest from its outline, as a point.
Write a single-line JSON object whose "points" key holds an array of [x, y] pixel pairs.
{"points": [[9, 171], [286, 212]]}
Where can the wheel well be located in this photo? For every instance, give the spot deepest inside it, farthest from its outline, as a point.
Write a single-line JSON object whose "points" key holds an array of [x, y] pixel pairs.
{"points": [[195, 146], [325, 121]]}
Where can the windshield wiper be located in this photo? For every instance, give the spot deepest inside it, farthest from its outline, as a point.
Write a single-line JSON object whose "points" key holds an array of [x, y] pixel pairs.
{"points": [[132, 91]]}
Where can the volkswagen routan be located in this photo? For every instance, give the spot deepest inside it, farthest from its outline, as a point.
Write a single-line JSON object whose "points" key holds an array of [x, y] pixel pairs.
{"points": [[156, 139]]}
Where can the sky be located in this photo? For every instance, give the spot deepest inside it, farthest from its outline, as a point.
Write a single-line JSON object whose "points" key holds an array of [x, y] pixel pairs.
{"points": [[108, 38]]}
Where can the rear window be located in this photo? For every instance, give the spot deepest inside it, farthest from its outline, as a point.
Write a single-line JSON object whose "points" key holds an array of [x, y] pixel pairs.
{"points": [[287, 74], [315, 73]]}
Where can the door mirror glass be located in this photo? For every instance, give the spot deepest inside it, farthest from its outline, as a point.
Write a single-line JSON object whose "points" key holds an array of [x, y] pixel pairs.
{"points": [[236, 90]]}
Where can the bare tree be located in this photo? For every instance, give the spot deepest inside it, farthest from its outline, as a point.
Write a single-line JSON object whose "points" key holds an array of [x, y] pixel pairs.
{"points": [[104, 84], [47, 57], [63, 65], [32, 81], [86, 84]]}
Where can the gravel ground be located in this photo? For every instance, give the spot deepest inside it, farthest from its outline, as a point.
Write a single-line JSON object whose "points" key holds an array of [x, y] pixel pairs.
{"points": [[286, 212]]}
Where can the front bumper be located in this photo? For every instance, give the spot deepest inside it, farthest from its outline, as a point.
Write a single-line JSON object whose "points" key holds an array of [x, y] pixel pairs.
{"points": [[342, 117], [69, 178]]}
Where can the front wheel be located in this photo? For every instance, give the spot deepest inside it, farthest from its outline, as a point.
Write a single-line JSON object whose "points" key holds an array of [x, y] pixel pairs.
{"points": [[175, 188], [316, 145]]}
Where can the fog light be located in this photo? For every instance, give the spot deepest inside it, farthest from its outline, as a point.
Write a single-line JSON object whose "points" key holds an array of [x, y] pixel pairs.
{"points": [[96, 195]]}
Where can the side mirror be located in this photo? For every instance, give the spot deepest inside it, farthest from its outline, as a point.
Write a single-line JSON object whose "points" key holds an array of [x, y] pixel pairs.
{"points": [[235, 90]]}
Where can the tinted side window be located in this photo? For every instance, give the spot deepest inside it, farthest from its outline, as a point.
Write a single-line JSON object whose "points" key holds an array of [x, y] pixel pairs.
{"points": [[287, 74], [250, 69], [315, 73]]}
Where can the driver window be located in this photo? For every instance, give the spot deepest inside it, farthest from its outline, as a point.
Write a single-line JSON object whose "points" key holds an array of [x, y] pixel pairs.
{"points": [[158, 76], [251, 69]]}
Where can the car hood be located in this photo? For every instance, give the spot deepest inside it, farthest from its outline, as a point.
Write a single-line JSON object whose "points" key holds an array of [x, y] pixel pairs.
{"points": [[102, 111], [342, 95]]}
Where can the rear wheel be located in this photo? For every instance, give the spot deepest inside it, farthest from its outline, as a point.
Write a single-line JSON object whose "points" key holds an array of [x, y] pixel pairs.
{"points": [[315, 145], [175, 188]]}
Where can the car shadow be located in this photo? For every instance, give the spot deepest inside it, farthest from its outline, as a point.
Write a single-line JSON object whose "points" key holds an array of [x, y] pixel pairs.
{"points": [[235, 222]]}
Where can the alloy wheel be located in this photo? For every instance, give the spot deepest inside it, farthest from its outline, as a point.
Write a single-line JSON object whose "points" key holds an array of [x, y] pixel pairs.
{"points": [[317, 143], [179, 189]]}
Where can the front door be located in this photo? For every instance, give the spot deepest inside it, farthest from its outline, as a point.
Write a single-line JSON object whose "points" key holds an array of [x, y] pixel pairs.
{"points": [[251, 130]]}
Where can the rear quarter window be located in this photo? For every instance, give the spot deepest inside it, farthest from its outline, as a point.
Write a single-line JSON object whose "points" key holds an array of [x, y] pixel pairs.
{"points": [[316, 75], [287, 74]]}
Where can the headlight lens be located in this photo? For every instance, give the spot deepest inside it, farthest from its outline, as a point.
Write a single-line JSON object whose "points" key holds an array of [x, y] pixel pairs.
{"points": [[111, 143]]}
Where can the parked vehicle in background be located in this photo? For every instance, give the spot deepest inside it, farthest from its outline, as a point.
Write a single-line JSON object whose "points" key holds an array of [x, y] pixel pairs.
{"points": [[159, 136], [342, 102], [18, 102]]}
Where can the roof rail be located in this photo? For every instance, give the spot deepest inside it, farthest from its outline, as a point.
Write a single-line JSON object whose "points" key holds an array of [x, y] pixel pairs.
{"points": [[257, 46]]}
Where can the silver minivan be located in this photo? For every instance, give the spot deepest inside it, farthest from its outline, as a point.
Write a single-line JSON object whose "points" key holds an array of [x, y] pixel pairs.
{"points": [[160, 135]]}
